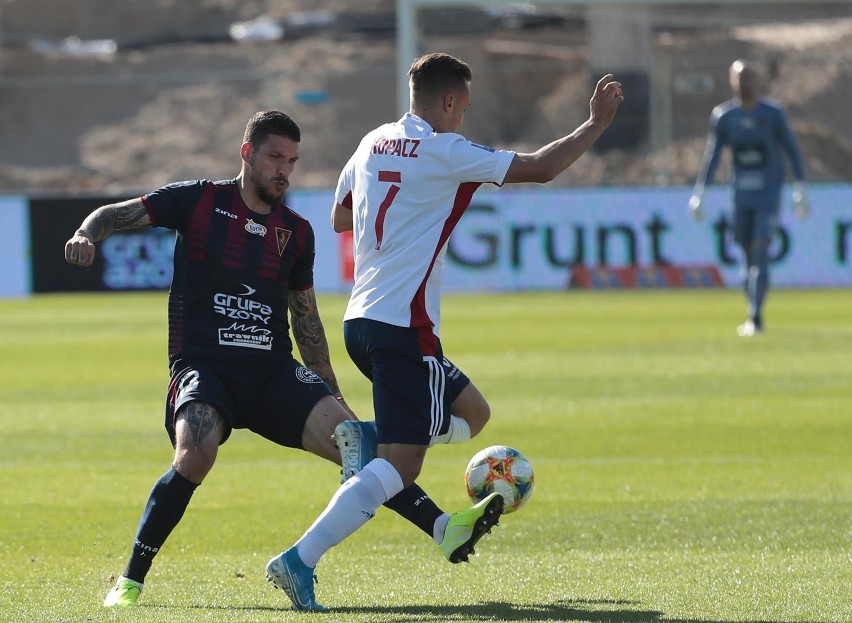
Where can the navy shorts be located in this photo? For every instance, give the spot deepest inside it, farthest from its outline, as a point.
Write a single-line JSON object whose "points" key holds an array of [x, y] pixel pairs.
{"points": [[272, 400], [413, 384]]}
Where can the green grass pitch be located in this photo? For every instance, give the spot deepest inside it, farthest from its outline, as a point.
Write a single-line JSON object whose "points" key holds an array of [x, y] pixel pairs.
{"points": [[683, 474]]}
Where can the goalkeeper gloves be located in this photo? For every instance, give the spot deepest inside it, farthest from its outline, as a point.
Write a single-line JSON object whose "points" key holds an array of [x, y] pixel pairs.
{"points": [[800, 200], [695, 206]]}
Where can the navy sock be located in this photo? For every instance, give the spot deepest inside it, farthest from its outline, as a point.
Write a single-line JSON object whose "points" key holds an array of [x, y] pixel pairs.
{"points": [[166, 504], [415, 505]]}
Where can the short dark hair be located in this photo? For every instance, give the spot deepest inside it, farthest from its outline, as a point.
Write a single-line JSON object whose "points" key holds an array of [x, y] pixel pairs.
{"points": [[432, 74], [267, 122]]}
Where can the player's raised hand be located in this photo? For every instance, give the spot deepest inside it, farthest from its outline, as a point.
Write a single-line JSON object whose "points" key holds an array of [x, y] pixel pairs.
{"points": [[605, 100], [80, 250]]}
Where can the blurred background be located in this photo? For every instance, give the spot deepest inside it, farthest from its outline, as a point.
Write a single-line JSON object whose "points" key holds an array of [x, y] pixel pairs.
{"points": [[122, 96]]}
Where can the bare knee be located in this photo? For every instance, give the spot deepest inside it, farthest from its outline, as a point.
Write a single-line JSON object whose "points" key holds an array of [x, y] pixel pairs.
{"points": [[319, 428], [471, 406], [199, 428], [192, 464], [480, 418]]}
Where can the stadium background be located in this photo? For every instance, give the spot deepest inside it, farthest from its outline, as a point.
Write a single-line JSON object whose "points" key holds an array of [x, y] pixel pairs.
{"points": [[102, 100], [683, 475]]}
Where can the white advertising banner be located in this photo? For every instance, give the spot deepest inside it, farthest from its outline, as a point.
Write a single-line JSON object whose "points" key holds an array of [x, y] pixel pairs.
{"points": [[331, 271], [15, 251], [528, 238]]}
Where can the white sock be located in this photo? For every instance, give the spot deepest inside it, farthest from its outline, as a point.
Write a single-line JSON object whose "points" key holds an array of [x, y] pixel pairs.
{"points": [[353, 504], [440, 528], [458, 432]]}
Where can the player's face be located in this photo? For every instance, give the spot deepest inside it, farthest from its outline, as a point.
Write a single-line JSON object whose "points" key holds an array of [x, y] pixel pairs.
{"points": [[744, 83], [272, 162]]}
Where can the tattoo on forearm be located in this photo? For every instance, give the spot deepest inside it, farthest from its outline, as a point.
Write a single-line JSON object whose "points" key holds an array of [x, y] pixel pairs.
{"points": [[119, 216], [309, 335], [132, 216], [202, 419], [307, 326]]}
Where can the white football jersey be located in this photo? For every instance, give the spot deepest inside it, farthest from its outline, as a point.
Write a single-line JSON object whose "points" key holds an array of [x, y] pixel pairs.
{"points": [[408, 186]]}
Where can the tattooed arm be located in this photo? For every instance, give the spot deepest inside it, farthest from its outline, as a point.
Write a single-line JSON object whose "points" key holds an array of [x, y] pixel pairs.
{"points": [[131, 214], [309, 335]]}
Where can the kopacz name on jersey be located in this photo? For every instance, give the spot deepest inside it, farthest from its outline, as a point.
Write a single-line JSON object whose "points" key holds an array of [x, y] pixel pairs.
{"points": [[405, 147]]}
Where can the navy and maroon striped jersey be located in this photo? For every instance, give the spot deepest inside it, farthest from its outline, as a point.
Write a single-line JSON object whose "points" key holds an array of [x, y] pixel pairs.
{"points": [[233, 270]]}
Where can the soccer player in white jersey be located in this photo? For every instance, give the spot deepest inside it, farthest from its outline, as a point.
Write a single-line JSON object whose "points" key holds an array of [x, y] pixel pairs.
{"points": [[402, 193]]}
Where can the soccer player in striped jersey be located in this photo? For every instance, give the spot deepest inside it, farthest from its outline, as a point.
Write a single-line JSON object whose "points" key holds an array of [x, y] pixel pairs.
{"points": [[402, 192], [759, 136], [242, 260]]}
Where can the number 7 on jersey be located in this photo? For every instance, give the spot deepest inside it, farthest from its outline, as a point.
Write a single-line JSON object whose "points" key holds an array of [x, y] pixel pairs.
{"points": [[394, 177]]}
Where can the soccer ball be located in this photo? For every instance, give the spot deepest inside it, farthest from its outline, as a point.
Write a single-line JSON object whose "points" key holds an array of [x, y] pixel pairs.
{"points": [[501, 469]]}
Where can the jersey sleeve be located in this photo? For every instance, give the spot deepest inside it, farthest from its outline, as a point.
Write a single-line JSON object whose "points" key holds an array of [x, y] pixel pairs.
{"points": [[302, 273], [472, 162], [172, 205], [343, 191]]}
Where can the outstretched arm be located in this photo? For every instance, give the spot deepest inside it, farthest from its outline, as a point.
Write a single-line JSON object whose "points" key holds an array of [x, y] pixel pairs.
{"points": [[131, 214], [552, 159]]}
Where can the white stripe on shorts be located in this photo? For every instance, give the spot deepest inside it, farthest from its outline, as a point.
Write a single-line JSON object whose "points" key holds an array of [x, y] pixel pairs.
{"points": [[437, 383]]}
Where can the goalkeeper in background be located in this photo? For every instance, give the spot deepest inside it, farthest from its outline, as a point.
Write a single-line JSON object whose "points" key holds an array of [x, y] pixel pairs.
{"points": [[758, 133]]}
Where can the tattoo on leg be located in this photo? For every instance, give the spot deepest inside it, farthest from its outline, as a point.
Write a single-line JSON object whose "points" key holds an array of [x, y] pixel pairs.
{"points": [[201, 418]]}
